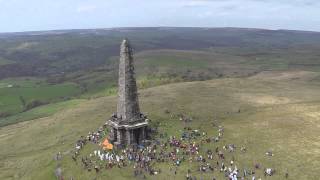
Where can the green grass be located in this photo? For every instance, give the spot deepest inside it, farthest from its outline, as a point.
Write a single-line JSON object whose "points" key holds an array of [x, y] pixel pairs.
{"points": [[152, 81], [167, 60], [38, 112], [14, 91], [278, 112]]}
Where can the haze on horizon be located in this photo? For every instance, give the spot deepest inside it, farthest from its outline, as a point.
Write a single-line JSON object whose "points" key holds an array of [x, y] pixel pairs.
{"points": [[36, 15]]}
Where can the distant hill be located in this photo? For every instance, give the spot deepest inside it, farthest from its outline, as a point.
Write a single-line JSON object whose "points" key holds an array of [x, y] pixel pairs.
{"points": [[63, 51]]}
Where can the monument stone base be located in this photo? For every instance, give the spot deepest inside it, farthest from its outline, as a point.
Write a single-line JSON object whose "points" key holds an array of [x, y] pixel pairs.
{"points": [[127, 134]]}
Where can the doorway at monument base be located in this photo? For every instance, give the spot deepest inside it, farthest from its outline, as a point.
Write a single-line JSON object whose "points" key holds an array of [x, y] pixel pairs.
{"points": [[128, 134]]}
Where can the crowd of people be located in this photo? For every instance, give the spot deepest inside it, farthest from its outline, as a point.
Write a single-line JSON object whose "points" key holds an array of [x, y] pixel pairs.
{"points": [[192, 146], [93, 137]]}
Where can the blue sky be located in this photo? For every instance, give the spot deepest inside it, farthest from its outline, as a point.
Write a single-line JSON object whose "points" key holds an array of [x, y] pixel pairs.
{"points": [[31, 15]]}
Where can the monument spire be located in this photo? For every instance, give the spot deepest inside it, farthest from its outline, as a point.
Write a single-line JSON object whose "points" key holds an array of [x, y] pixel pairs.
{"points": [[128, 126], [128, 106]]}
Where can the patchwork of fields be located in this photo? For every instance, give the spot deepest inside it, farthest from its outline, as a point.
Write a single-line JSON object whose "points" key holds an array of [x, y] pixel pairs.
{"points": [[23, 94]]}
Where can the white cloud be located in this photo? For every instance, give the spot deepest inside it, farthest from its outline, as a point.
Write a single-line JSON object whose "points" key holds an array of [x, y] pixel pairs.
{"points": [[85, 8]]}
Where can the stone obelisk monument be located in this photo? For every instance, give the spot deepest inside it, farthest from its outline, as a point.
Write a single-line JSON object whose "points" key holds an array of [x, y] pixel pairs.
{"points": [[128, 125]]}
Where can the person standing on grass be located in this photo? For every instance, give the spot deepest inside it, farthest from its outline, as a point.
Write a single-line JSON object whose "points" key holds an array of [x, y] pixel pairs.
{"points": [[286, 175]]}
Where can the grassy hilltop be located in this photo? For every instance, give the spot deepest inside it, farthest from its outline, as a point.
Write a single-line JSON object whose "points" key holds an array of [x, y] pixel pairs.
{"points": [[56, 86], [279, 112]]}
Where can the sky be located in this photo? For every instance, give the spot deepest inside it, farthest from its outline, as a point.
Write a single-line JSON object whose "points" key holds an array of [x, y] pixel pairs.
{"points": [[35, 15]]}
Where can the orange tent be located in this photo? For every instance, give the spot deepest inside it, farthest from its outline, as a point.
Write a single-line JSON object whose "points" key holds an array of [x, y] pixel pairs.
{"points": [[106, 145]]}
